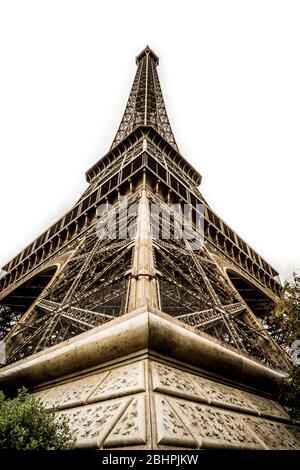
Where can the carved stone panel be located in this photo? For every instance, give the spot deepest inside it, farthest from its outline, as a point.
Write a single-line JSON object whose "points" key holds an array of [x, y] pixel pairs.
{"points": [[73, 393], [215, 428], [121, 381], [131, 427], [276, 436], [171, 431], [266, 407], [295, 430], [92, 423], [173, 381], [42, 394], [182, 384], [220, 394]]}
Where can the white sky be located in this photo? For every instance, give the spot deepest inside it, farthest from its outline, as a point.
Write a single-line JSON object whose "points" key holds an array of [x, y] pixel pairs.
{"points": [[230, 74]]}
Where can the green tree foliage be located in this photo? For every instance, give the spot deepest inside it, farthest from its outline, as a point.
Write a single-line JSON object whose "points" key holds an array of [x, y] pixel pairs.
{"points": [[287, 312], [26, 425], [286, 319], [289, 394]]}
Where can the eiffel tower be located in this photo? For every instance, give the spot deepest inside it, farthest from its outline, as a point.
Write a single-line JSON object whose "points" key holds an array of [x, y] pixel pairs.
{"points": [[68, 280], [125, 247]]}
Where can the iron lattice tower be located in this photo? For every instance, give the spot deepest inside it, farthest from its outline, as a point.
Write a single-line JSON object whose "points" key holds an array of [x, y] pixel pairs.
{"points": [[72, 278]]}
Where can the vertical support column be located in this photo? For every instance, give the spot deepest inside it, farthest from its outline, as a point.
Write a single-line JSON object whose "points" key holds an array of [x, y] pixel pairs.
{"points": [[143, 288]]}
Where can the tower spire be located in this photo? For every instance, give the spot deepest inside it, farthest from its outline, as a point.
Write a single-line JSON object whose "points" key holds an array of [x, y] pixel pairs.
{"points": [[145, 106]]}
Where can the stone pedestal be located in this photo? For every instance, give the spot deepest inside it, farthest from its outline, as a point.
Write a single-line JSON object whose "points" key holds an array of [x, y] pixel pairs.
{"points": [[146, 381]]}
